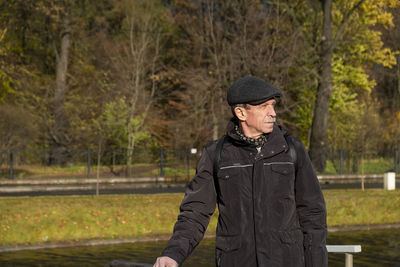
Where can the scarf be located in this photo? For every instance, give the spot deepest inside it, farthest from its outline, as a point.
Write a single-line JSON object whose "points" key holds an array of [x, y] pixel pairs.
{"points": [[259, 142]]}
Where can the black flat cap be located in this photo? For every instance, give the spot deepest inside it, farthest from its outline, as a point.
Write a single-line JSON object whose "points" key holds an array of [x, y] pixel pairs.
{"points": [[251, 90]]}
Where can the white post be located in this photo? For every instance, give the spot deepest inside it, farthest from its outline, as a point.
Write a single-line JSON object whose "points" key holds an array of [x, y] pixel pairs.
{"points": [[347, 249], [389, 181], [349, 260]]}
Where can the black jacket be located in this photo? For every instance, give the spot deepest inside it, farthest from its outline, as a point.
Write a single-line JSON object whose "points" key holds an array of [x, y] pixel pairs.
{"points": [[269, 213]]}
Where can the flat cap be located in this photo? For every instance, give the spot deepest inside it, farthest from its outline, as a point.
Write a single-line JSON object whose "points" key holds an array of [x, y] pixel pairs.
{"points": [[251, 90]]}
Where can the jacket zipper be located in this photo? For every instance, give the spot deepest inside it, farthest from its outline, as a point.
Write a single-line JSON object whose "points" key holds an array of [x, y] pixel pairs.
{"points": [[236, 166]]}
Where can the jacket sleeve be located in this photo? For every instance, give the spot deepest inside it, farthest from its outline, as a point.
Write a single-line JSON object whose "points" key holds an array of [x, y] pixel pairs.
{"points": [[311, 210], [196, 208]]}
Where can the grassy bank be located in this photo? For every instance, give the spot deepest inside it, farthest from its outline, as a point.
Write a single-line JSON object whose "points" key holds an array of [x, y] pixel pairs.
{"points": [[33, 220]]}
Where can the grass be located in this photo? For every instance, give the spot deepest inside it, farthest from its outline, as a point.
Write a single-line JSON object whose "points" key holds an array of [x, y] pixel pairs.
{"points": [[28, 220], [356, 207], [80, 171], [374, 165], [40, 171], [33, 220]]}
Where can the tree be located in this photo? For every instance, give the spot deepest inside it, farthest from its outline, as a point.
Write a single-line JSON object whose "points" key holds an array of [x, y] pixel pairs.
{"points": [[60, 15], [52, 48], [136, 67], [17, 127], [363, 14], [220, 41], [387, 90], [72, 63], [319, 131]]}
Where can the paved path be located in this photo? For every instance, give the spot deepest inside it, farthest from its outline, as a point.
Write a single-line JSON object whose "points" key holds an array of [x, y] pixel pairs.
{"points": [[147, 185]]}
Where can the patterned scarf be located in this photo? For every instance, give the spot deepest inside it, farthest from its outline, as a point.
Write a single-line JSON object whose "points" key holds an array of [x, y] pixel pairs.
{"points": [[260, 141]]}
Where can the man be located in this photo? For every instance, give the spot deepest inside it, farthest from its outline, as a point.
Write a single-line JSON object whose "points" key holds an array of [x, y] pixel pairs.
{"points": [[271, 208]]}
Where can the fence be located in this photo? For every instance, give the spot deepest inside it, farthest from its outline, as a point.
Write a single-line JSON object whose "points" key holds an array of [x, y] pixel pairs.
{"points": [[362, 162], [173, 164]]}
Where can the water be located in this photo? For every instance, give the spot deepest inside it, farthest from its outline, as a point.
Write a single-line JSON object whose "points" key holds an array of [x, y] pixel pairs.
{"points": [[379, 248]]}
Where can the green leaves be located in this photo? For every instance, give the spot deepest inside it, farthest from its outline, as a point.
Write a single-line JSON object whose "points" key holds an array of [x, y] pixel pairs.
{"points": [[5, 79], [113, 122]]}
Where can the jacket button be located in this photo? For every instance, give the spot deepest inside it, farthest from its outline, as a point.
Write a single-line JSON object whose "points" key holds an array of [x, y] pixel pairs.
{"points": [[272, 152]]}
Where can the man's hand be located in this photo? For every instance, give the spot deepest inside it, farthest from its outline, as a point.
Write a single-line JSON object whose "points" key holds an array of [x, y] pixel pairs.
{"points": [[165, 262]]}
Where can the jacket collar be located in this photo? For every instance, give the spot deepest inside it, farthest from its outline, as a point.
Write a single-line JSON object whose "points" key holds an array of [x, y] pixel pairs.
{"points": [[275, 143]]}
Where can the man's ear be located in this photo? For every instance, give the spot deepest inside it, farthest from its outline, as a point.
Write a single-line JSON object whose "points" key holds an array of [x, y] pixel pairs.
{"points": [[240, 113]]}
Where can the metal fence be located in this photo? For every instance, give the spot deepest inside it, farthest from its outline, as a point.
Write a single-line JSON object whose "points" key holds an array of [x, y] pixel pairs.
{"points": [[173, 164], [345, 161]]}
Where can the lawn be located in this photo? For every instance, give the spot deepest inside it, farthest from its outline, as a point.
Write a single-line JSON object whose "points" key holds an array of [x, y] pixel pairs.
{"points": [[34, 220]]}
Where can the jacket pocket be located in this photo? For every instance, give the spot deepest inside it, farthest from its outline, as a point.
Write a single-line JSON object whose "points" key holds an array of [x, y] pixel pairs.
{"points": [[283, 179], [284, 168], [225, 245], [292, 248], [228, 243], [234, 171]]}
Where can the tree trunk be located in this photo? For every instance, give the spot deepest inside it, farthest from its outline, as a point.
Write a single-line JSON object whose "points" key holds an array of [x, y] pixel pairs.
{"points": [[319, 131], [60, 119], [398, 81], [129, 154]]}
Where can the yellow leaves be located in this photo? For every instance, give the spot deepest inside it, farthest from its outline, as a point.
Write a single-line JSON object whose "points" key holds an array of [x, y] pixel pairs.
{"points": [[155, 77], [387, 3], [377, 12], [385, 18], [386, 57], [347, 76], [120, 218]]}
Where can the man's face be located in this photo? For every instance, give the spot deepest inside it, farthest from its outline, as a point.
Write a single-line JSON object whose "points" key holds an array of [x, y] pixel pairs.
{"points": [[258, 119]]}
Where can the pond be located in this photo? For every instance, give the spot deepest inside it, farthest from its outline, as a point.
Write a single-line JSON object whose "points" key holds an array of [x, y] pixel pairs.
{"points": [[379, 248]]}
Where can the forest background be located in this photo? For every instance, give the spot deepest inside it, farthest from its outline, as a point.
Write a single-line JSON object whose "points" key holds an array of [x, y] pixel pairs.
{"points": [[130, 73]]}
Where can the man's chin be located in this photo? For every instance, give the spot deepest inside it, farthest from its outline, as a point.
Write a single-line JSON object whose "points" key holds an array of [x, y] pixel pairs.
{"points": [[268, 129]]}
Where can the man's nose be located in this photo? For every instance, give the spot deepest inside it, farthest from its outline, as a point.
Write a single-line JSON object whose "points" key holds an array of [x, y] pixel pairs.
{"points": [[271, 111]]}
